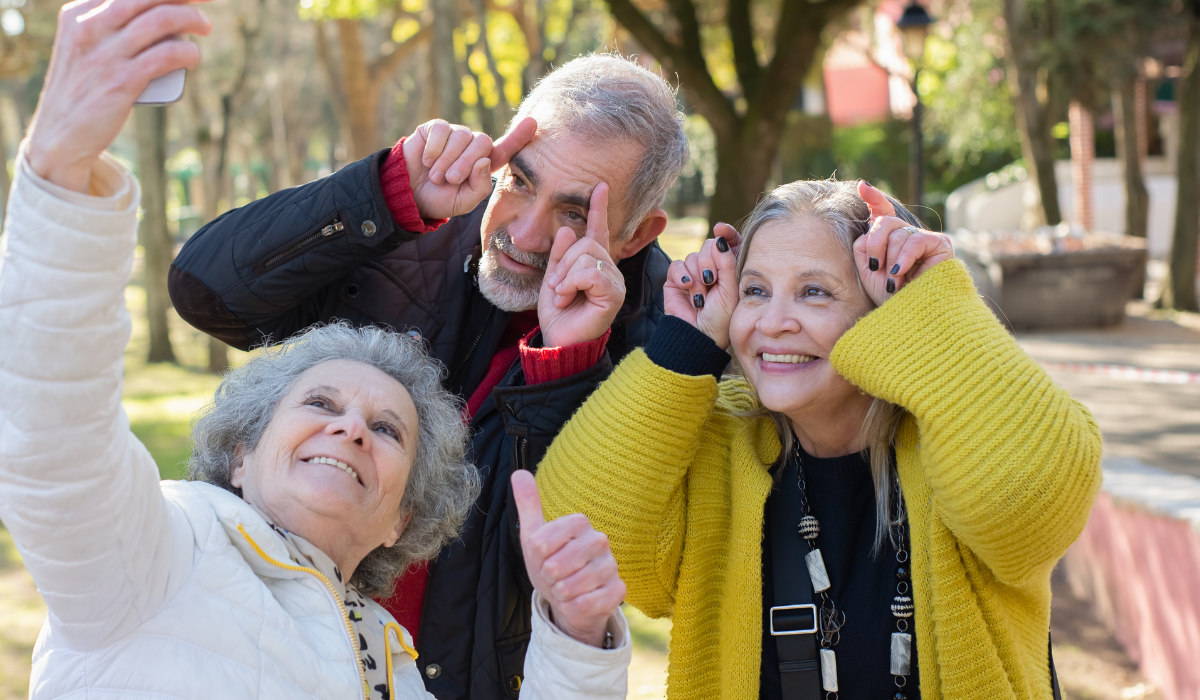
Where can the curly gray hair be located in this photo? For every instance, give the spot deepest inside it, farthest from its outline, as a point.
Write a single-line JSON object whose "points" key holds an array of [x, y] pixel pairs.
{"points": [[442, 485]]}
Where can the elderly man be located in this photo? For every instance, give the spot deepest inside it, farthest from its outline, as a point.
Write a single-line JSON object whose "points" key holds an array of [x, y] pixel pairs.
{"points": [[419, 238]]}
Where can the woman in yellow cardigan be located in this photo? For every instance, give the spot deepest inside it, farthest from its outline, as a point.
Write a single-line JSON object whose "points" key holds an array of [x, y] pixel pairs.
{"points": [[886, 468]]}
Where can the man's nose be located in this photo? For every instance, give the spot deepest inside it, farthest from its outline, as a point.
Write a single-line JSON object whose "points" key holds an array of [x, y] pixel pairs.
{"points": [[532, 231]]}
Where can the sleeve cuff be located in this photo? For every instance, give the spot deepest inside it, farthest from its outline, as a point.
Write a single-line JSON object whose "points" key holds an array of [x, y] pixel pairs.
{"points": [[397, 192], [684, 349], [548, 364]]}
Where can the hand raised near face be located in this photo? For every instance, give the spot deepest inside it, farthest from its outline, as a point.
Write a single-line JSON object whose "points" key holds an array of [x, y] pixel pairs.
{"points": [[583, 290], [893, 252], [702, 289], [105, 54], [570, 564], [450, 167]]}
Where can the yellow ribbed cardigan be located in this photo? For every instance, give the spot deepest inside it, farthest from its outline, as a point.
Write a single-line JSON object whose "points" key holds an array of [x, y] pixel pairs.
{"points": [[998, 465]]}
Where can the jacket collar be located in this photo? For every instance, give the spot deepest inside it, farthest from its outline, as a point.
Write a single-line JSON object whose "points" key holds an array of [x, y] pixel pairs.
{"points": [[249, 532]]}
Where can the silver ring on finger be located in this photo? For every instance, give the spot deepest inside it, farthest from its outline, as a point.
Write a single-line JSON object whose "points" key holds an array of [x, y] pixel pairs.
{"points": [[600, 265], [911, 230]]}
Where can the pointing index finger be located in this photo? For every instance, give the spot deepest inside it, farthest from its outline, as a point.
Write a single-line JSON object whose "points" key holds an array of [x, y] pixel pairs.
{"points": [[511, 143], [597, 222]]}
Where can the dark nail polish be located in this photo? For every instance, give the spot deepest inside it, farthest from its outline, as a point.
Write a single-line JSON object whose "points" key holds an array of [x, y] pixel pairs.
{"points": [[698, 301], [873, 264], [708, 277], [722, 245], [891, 286], [895, 268], [686, 279]]}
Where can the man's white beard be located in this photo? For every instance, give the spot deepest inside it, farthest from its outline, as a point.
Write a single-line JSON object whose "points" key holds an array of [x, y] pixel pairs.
{"points": [[506, 289]]}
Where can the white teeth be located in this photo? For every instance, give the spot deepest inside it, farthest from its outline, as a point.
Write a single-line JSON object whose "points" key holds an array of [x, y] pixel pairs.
{"points": [[333, 462], [787, 359]]}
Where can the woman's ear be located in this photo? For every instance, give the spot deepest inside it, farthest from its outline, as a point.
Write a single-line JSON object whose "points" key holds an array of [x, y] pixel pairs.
{"points": [[394, 535], [237, 470]]}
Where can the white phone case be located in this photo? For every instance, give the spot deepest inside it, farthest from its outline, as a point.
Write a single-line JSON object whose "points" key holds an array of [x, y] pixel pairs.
{"points": [[164, 89]]}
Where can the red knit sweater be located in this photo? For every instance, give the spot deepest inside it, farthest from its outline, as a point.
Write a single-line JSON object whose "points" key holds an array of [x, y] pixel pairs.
{"points": [[540, 365]]}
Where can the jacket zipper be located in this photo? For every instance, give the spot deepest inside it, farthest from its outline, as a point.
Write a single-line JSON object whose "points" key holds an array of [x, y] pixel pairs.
{"points": [[474, 345], [387, 652], [328, 230], [521, 452], [520, 444], [362, 673]]}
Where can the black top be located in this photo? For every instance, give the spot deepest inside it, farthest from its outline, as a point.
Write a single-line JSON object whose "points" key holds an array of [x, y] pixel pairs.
{"points": [[841, 496]]}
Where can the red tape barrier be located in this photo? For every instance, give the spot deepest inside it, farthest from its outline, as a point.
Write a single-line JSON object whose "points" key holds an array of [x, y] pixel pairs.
{"points": [[1133, 374]]}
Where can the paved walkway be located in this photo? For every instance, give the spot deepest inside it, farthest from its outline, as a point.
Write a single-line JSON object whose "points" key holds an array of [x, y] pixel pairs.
{"points": [[1140, 413]]}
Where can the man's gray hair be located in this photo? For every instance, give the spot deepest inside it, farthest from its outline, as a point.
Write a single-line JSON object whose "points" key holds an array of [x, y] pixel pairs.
{"points": [[605, 97], [442, 485]]}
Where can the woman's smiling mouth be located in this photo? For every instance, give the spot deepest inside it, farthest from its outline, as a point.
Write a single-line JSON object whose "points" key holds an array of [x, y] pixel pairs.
{"points": [[335, 463], [787, 359]]}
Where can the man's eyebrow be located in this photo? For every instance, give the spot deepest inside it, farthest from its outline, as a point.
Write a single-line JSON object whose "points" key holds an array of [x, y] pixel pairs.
{"points": [[522, 165], [576, 200]]}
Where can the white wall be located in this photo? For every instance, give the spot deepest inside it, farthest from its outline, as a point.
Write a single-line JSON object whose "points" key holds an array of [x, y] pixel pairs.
{"points": [[976, 208]]}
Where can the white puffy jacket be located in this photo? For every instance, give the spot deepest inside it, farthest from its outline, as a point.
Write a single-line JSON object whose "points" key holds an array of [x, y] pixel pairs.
{"points": [[163, 589]]}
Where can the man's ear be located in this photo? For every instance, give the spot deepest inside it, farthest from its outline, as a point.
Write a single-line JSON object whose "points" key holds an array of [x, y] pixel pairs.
{"points": [[647, 231], [394, 535]]}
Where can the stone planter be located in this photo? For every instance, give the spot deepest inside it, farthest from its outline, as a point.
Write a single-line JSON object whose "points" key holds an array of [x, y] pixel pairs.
{"points": [[1057, 290]]}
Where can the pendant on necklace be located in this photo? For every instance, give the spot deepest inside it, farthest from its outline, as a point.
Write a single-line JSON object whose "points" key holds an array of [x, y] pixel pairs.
{"points": [[901, 653], [829, 670], [816, 570]]}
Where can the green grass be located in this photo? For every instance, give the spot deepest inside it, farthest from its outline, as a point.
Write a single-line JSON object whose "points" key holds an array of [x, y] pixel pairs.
{"points": [[163, 399]]}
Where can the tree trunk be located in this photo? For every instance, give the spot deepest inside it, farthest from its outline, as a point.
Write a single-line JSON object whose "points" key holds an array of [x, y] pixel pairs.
{"points": [[1180, 290], [362, 103], [1125, 110], [1033, 116], [151, 126], [743, 167], [1083, 157], [445, 64]]}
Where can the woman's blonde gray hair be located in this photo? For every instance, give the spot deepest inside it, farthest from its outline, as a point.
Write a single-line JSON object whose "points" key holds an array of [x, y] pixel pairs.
{"points": [[837, 205], [442, 484]]}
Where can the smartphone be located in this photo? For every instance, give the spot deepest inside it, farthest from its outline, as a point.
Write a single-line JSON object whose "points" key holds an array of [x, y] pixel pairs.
{"points": [[165, 89]]}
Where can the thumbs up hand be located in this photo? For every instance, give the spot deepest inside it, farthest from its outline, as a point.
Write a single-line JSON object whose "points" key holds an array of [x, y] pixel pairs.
{"points": [[570, 564]]}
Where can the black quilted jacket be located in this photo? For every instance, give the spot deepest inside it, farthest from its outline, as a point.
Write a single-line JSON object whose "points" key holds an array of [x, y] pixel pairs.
{"points": [[331, 250]]}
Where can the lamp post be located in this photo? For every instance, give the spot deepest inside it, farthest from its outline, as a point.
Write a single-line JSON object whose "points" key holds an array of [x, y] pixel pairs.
{"points": [[914, 26]]}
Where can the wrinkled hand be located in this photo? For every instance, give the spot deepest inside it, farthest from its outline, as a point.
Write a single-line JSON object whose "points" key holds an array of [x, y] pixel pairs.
{"points": [[570, 564], [450, 167], [702, 289], [579, 299], [900, 252], [105, 54]]}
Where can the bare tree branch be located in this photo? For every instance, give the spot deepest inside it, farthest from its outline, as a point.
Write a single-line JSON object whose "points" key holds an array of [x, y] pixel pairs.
{"points": [[710, 101], [382, 68]]}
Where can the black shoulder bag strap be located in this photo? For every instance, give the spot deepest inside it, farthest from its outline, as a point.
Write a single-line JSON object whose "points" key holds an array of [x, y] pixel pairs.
{"points": [[793, 618]]}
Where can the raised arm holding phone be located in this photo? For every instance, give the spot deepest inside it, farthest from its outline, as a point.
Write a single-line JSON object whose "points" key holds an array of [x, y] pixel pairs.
{"points": [[322, 470]]}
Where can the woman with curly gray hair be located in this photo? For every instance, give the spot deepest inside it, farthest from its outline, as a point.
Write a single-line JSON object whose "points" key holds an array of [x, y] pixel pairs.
{"points": [[321, 470]]}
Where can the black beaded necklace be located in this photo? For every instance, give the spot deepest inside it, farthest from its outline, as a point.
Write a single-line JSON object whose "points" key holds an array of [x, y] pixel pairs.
{"points": [[831, 619]]}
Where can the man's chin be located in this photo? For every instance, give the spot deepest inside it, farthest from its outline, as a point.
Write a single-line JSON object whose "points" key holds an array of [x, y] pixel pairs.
{"points": [[507, 296]]}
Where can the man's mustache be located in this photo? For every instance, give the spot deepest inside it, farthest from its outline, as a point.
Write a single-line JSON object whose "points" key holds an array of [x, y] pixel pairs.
{"points": [[503, 242]]}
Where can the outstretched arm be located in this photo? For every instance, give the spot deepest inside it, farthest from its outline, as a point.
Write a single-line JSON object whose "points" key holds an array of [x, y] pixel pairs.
{"points": [[80, 494]]}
